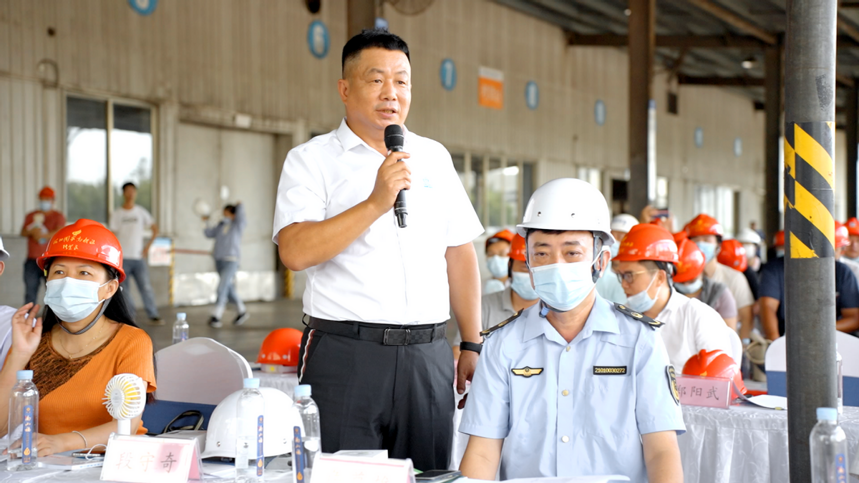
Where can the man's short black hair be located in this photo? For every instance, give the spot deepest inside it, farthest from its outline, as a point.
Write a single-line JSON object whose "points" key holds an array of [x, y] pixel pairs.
{"points": [[126, 185], [231, 209], [369, 39]]}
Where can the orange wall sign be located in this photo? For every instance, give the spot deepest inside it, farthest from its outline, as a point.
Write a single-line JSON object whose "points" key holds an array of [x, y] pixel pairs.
{"points": [[490, 88]]}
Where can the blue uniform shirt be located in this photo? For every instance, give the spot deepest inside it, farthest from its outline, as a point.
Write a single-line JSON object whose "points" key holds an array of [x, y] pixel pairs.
{"points": [[572, 409]]}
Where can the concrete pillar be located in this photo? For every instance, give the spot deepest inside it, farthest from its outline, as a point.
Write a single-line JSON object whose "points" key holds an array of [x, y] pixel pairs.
{"points": [[642, 42], [852, 131]]}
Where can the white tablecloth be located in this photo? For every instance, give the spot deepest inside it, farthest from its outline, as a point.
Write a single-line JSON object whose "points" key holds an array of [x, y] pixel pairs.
{"points": [[744, 444]]}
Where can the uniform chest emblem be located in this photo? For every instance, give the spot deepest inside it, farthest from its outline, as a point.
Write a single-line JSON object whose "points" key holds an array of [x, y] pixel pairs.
{"points": [[528, 371]]}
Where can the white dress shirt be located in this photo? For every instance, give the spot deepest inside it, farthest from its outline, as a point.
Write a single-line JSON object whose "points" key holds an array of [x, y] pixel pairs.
{"points": [[388, 274], [691, 325]]}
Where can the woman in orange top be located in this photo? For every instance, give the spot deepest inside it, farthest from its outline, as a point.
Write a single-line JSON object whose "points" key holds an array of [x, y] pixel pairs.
{"points": [[86, 337]]}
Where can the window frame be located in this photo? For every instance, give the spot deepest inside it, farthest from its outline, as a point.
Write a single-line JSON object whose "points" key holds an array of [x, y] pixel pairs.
{"points": [[110, 101]]}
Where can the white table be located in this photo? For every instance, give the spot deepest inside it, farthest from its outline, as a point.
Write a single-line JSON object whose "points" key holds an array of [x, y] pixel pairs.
{"points": [[744, 444]]}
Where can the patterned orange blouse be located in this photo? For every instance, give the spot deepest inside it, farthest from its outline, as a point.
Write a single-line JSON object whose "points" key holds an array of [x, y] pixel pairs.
{"points": [[71, 391]]}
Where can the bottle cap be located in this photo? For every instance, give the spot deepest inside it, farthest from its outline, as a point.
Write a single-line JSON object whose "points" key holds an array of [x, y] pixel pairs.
{"points": [[180, 316], [251, 383], [25, 375], [302, 390], [827, 414]]}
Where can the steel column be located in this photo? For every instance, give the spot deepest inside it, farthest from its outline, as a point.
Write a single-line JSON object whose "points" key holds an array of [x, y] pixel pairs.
{"points": [[852, 131], [772, 163], [642, 41]]}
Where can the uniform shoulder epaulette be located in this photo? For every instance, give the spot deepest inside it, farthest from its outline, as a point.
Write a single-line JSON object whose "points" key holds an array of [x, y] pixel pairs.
{"points": [[652, 323], [489, 331]]}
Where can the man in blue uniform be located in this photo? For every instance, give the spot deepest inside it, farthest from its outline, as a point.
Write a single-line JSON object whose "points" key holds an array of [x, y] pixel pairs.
{"points": [[574, 385]]}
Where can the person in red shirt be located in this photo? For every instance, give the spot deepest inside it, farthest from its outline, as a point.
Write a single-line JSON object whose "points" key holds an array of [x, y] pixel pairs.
{"points": [[39, 227]]}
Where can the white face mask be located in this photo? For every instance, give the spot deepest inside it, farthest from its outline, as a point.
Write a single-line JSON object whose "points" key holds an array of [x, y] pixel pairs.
{"points": [[563, 286], [72, 299], [497, 266]]}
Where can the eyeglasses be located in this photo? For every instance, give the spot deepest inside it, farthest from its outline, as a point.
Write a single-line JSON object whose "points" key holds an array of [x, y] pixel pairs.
{"points": [[629, 277]]}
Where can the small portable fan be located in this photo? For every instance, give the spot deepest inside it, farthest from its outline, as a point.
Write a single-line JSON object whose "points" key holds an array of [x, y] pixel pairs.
{"points": [[125, 397]]}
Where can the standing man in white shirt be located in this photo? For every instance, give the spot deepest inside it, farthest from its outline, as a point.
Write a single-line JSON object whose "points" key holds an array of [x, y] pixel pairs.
{"points": [[129, 222], [378, 296]]}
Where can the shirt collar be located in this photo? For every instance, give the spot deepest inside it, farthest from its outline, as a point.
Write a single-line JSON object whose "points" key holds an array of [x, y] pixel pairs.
{"points": [[601, 319], [348, 138], [674, 302]]}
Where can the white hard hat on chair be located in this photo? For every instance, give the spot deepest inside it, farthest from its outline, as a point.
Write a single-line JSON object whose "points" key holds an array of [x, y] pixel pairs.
{"points": [[568, 204]]}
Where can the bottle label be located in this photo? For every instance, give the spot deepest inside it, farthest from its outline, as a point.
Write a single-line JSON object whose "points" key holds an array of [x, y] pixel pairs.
{"points": [[183, 337], [840, 468], [260, 452], [27, 436], [298, 455]]}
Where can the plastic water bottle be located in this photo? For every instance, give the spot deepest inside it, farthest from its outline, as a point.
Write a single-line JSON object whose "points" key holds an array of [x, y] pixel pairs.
{"points": [[828, 449], [838, 363], [249, 432], [23, 423], [180, 328], [309, 412]]}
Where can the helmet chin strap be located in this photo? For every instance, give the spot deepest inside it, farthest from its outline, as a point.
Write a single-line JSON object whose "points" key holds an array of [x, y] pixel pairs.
{"points": [[91, 324]]}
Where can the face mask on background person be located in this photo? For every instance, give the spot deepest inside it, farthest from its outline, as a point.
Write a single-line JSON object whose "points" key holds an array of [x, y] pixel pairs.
{"points": [[72, 299], [45, 205], [690, 287], [497, 266], [641, 302], [563, 286], [614, 249], [522, 286], [709, 250]]}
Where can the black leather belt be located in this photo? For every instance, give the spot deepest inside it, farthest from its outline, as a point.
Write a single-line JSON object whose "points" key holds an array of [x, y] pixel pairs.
{"points": [[382, 333]]}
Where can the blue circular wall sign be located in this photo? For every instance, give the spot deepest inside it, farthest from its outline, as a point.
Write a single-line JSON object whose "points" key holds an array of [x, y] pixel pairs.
{"points": [[447, 74], [738, 147], [599, 112], [143, 7], [317, 39], [699, 137], [532, 95]]}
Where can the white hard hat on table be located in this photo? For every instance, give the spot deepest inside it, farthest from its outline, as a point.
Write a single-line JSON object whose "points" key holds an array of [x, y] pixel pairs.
{"points": [[4, 255], [623, 223], [280, 418], [747, 235], [568, 204]]}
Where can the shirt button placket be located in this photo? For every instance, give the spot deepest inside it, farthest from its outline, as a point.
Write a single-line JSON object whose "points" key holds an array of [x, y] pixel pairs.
{"points": [[566, 423]]}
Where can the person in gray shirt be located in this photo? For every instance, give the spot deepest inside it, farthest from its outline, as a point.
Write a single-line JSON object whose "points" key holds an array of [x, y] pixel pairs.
{"points": [[228, 239]]}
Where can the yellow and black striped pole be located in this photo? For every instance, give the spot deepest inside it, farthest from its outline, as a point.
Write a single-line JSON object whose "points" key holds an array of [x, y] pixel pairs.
{"points": [[809, 180]]}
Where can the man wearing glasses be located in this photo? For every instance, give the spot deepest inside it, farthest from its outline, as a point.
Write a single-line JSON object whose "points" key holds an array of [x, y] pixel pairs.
{"points": [[644, 265]]}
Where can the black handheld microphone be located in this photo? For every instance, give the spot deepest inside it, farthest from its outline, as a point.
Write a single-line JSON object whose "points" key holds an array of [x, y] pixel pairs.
{"points": [[394, 141]]}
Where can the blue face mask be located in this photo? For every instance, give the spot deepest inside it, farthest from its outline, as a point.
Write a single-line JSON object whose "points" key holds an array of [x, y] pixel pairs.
{"points": [[497, 266], [522, 286], [641, 302], [779, 253], [72, 299], [689, 288], [709, 250], [45, 205], [614, 249], [563, 286]]}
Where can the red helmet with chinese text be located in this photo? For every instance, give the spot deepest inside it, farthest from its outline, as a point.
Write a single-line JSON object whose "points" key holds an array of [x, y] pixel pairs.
{"points": [[716, 363], [86, 240]]}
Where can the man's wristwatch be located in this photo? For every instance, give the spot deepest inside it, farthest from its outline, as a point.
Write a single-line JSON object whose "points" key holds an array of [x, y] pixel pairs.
{"points": [[470, 346]]}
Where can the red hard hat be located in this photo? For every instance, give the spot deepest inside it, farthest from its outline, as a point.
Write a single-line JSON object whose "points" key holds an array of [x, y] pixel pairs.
{"points": [[47, 192], [280, 347], [853, 226], [715, 363], [733, 255], [690, 259], [86, 240], [503, 235], [842, 235], [703, 225], [647, 242], [779, 238], [517, 248]]}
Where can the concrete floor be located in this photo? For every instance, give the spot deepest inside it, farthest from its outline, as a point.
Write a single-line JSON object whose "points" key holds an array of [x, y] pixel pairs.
{"points": [[246, 339]]}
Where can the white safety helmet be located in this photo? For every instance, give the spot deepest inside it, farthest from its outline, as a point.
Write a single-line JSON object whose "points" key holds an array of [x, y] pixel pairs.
{"points": [[623, 223], [747, 235], [568, 204], [280, 419]]}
